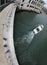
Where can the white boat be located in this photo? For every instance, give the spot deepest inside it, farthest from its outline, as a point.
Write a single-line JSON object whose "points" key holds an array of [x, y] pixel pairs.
{"points": [[38, 29]]}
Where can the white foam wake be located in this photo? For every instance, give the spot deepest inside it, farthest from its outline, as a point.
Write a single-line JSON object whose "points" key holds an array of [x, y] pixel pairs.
{"points": [[26, 38]]}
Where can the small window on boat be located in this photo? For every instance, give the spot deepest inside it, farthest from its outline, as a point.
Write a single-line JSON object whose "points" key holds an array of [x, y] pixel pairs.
{"points": [[37, 29]]}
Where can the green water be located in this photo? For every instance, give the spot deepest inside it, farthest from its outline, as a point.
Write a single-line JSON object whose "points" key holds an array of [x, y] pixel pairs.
{"points": [[34, 53]]}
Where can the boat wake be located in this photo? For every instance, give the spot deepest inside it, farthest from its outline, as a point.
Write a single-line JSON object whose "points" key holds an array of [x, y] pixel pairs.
{"points": [[30, 35], [26, 38]]}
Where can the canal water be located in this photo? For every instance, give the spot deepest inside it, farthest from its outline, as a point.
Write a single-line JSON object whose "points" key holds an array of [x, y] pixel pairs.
{"points": [[30, 49]]}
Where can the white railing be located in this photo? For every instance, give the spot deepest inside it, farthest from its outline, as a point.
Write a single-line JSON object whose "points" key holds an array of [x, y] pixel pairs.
{"points": [[34, 5]]}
